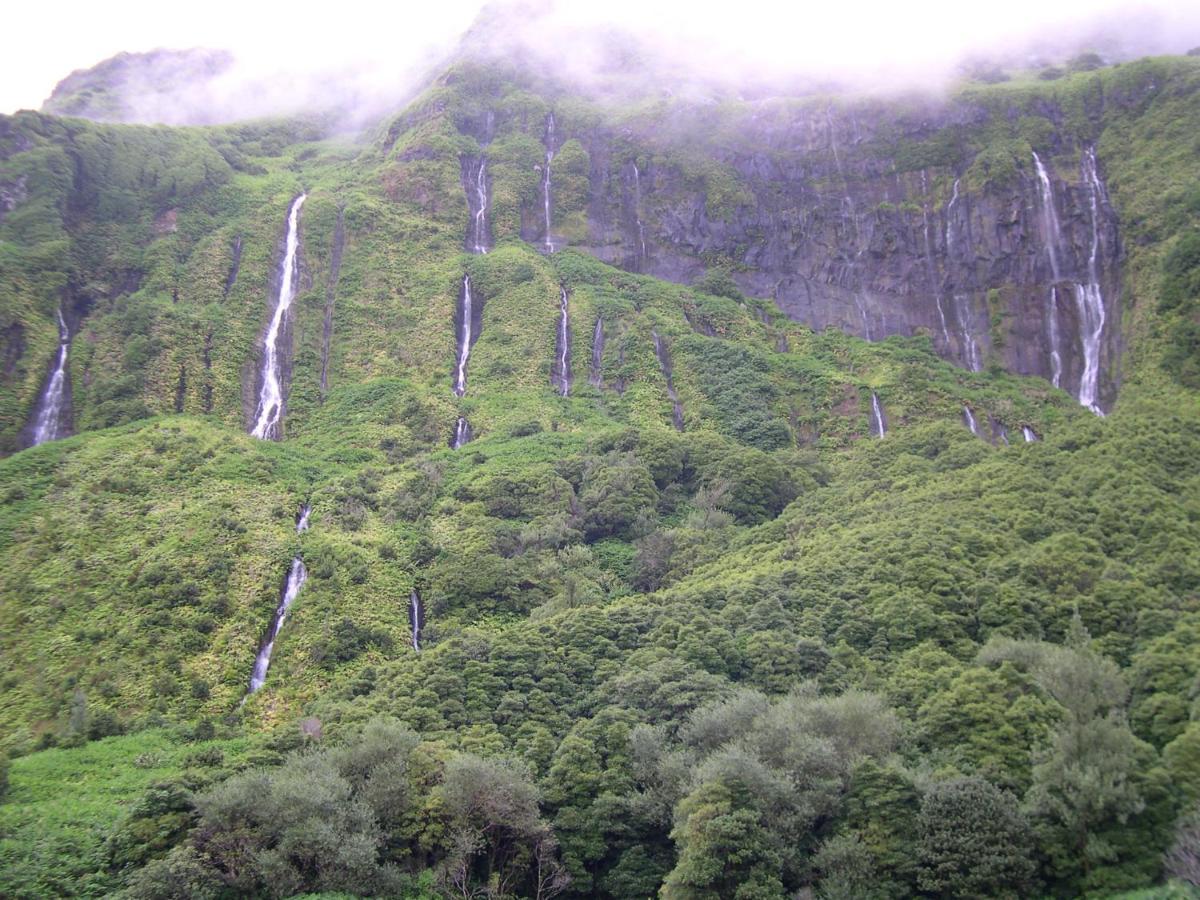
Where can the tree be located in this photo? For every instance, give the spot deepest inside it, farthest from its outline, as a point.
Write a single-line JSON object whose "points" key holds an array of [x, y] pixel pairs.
{"points": [[1183, 859], [497, 838], [724, 849], [1088, 782], [974, 842]]}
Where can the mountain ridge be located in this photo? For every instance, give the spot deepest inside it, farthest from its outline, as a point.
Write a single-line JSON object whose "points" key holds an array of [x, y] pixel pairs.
{"points": [[725, 533]]}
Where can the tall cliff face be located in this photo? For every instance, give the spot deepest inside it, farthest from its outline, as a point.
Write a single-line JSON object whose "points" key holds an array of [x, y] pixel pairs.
{"points": [[878, 224], [897, 216]]}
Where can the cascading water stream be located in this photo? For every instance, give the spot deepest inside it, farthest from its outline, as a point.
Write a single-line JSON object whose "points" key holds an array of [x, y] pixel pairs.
{"points": [[416, 618], [1088, 296], [637, 212], [466, 336], [847, 211], [596, 376], [297, 575], [950, 220], [862, 311], [1089, 301], [462, 433], [930, 267], [270, 398], [970, 345], [933, 285], [52, 419], [546, 179], [466, 312], [1053, 236], [479, 229], [563, 356], [969, 418], [664, 361], [1028, 434], [878, 420]]}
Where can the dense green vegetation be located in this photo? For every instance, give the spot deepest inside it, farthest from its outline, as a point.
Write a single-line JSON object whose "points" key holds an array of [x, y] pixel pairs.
{"points": [[762, 655]]}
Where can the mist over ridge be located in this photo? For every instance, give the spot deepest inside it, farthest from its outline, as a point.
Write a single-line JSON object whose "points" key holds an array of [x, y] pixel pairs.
{"points": [[620, 51]]}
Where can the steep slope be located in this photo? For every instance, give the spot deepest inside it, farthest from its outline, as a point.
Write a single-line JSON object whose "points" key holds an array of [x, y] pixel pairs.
{"points": [[616, 505]]}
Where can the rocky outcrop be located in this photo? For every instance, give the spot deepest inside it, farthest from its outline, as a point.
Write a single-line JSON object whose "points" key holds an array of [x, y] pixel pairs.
{"points": [[873, 222]]}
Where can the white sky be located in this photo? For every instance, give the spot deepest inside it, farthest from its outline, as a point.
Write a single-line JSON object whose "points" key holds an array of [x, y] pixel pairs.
{"points": [[47, 40]]}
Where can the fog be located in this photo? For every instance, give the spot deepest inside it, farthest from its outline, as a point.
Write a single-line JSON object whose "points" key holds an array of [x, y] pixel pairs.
{"points": [[363, 58]]}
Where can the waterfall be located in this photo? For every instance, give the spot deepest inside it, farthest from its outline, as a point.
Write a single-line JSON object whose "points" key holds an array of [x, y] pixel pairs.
{"points": [[999, 431], [1089, 301], [878, 420], [1053, 236], [1028, 434], [416, 618], [930, 268], [270, 398], [479, 228], [637, 214], [933, 286], [862, 311], [297, 575], [1088, 296], [563, 356], [969, 418], [664, 360], [53, 418], [462, 433], [465, 337], [546, 179], [950, 221], [974, 358], [596, 377]]}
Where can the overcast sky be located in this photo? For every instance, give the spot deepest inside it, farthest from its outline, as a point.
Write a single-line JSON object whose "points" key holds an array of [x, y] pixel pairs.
{"points": [[917, 38]]}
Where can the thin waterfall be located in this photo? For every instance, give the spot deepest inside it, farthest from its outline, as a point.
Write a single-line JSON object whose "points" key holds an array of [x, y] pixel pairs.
{"points": [[974, 358], [637, 213], [862, 311], [53, 417], [878, 419], [999, 431], [596, 377], [271, 401], [563, 355], [969, 418], [664, 360], [297, 575], [549, 243], [1053, 236], [462, 433], [465, 337], [1028, 434], [479, 225], [1088, 296], [950, 220], [847, 211], [416, 618], [930, 268]]}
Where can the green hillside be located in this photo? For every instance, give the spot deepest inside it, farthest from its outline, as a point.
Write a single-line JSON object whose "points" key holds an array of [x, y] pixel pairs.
{"points": [[761, 652]]}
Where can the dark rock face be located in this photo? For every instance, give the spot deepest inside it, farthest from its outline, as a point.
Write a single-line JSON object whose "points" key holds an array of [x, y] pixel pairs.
{"points": [[833, 217]]}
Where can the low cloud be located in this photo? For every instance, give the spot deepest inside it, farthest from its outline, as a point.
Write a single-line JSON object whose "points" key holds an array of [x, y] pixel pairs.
{"points": [[363, 60]]}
